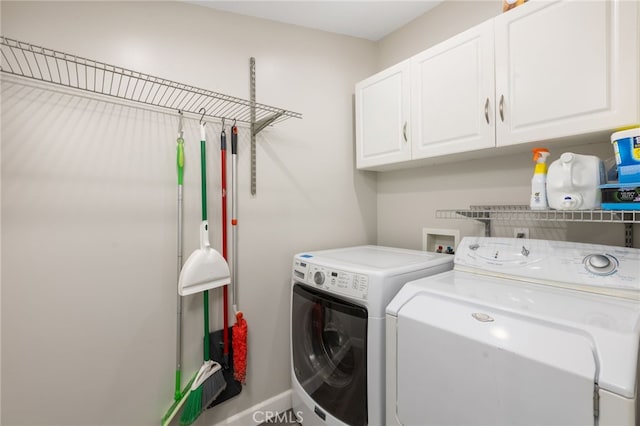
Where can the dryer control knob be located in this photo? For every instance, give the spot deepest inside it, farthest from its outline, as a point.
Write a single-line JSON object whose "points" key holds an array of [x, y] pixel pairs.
{"points": [[318, 278], [599, 264]]}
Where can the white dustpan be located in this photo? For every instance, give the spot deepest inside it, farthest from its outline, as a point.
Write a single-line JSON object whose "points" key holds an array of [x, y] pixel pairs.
{"points": [[204, 269]]}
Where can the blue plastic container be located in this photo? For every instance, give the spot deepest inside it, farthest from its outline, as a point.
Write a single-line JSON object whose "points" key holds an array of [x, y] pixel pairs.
{"points": [[626, 145]]}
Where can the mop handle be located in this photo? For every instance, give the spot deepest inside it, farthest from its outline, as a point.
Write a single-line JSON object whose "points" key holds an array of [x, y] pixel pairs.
{"points": [[225, 291], [234, 216], [223, 177], [180, 168]]}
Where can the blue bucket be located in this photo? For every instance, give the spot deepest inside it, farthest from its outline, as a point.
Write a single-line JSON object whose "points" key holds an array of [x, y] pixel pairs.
{"points": [[626, 145]]}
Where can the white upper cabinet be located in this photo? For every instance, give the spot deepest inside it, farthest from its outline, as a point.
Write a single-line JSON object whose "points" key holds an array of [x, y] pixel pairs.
{"points": [[382, 118], [452, 89], [566, 68], [543, 71]]}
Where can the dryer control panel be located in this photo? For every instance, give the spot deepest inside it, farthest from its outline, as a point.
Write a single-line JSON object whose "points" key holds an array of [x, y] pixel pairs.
{"points": [[331, 280], [597, 268]]}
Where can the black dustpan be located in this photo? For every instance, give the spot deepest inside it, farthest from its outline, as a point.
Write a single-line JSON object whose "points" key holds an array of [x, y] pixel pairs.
{"points": [[216, 346]]}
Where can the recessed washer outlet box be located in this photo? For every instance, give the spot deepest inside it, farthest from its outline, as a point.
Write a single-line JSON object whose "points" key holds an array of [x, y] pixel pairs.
{"points": [[433, 238], [520, 232]]}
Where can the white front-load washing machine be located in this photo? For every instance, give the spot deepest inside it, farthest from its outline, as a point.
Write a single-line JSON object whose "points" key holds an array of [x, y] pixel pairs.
{"points": [[338, 300], [520, 332]]}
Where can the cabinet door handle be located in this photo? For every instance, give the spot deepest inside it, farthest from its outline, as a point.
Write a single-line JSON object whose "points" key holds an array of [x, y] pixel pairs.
{"points": [[502, 108], [404, 131], [486, 110]]}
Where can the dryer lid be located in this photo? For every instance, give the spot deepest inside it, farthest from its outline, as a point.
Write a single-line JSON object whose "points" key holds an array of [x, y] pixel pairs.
{"points": [[611, 325], [468, 364]]}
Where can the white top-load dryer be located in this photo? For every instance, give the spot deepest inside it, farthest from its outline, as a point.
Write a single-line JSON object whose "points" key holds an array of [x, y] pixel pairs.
{"points": [[520, 332], [338, 301]]}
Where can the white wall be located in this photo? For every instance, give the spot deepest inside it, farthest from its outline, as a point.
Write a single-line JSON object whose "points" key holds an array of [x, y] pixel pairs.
{"points": [[443, 21], [89, 205], [408, 199]]}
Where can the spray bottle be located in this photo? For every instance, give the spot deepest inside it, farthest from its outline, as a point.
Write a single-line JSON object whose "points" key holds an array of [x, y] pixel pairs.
{"points": [[539, 180]]}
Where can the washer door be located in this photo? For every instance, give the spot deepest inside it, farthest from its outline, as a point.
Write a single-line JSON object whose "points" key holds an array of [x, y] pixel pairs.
{"points": [[460, 363], [329, 341]]}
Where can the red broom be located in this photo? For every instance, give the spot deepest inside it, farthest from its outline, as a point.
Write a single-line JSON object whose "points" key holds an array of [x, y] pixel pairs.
{"points": [[239, 331]]}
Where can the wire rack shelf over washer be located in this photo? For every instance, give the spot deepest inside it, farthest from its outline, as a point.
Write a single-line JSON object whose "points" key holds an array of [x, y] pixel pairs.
{"points": [[486, 214]]}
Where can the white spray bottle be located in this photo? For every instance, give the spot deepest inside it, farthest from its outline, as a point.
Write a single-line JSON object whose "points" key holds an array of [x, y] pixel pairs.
{"points": [[539, 180]]}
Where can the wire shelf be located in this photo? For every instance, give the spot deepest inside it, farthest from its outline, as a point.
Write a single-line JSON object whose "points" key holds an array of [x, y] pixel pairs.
{"points": [[62, 69], [522, 212]]}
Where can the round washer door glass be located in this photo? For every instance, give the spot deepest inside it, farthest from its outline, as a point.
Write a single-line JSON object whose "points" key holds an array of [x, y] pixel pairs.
{"points": [[329, 341]]}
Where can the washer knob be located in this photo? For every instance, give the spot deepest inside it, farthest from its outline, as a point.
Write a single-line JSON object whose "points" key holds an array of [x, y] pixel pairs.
{"points": [[599, 261], [318, 278], [599, 264]]}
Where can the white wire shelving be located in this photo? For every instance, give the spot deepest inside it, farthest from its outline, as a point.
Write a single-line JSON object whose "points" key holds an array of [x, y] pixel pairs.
{"points": [[486, 214], [62, 69], [522, 212], [42, 64]]}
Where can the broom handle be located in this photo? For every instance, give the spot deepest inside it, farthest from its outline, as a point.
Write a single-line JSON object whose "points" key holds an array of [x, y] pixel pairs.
{"points": [[205, 297], [225, 291], [203, 175], [234, 216]]}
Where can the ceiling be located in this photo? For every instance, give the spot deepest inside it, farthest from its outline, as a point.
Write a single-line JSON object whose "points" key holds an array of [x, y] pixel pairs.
{"points": [[370, 20]]}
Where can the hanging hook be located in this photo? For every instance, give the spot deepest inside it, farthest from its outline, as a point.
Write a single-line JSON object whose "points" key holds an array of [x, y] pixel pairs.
{"points": [[234, 122], [180, 128], [203, 111], [223, 124]]}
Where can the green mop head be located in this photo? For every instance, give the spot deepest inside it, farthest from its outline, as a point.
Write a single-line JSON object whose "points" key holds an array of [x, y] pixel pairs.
{"points": [[193, 405], [192, 408], [179, 400]]}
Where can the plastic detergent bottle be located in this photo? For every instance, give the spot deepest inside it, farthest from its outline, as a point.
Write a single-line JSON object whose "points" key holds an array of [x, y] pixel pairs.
{"points": [[539, 180]]}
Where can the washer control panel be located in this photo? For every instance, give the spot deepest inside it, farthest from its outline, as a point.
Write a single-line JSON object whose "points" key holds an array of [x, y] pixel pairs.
{"points": [[331, 280], [592, 265]]}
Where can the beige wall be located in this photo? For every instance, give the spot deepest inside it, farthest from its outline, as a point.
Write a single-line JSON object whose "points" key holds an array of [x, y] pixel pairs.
{"points": [[408, 199], [443, 21], [89, 205]]}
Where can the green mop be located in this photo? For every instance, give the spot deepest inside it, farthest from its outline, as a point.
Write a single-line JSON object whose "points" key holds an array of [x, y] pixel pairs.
{"points": [[179, 396], [209, 381]]}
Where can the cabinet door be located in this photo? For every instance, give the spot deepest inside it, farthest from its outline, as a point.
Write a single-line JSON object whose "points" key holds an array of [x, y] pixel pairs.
{"points": [[382, 115], [453, 95], [566, 68]]}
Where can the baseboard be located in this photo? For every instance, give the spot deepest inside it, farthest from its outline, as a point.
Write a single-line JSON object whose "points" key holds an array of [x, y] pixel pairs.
{"points": [[260, 412]]}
